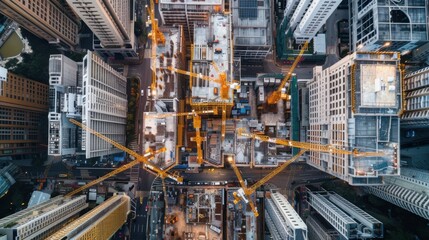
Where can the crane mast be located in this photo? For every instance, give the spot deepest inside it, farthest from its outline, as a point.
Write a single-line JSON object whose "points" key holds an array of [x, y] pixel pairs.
{"points": [[309, 146], [275, 96]]}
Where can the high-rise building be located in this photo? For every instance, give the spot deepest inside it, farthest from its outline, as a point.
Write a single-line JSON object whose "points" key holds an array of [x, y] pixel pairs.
{"points": [[104, 106], [23, 116], [416, 86], [393, 25], [112, 23], [93, 92], [65, 100], [355, 104], [48, 19], [187, 13], [252, 29], [306, 17], [40, 221], [408, 191], [282, 220], [349, 220], [109, 216]]}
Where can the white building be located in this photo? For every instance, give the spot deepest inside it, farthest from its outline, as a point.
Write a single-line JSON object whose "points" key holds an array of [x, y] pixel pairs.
{"points": [[349, 220], [416, 88], [112, 22], [104, 104], [393, 25], [252, 29], [39, 221], [356, 104], [187, 13], [408, 191], [65, 100], [306, 17], [282, 220], [109, 216]]}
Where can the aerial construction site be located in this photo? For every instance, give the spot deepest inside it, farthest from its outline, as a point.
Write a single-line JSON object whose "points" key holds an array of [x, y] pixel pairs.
{"points": [[201, 118]]}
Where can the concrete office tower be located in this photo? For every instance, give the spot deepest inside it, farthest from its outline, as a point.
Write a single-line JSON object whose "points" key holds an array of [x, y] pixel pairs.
{"points": [[23, 116], [40, 221], [108, 216], [314, 18], [282, 220], [104, 106], [48, 19], [65, 101], [112, 22], [393, 25], [306, 17], [416, 86], [252, 29], [187, 13], [356, 104]]}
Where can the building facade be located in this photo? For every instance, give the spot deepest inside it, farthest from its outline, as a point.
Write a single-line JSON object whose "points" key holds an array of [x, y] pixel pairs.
{"points": [[416, 88], [42, 220], [355, 104], [388, 25], [314, 18], [104, 106], [23, 116], [306, 17], [408, 191], [112, 23], [252, 29], [187, 13], [109, 216], [51, 20], [65, 100], [282, 220], [349, 220]]}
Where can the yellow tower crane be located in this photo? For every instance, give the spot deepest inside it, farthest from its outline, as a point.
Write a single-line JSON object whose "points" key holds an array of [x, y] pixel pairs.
{"points": [[152, 168], [275, 96], [224, 84], [198, 138], [157, 38], [224, 89], [244, 192], [308, 146]]}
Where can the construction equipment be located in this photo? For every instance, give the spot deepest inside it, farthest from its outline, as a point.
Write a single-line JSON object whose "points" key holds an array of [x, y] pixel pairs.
{"points": [[244, 192], [198, 138], [157, 38], [275, 96], [172, 114], [129, 165], [148, 165], [308, 146], [224, 84]]}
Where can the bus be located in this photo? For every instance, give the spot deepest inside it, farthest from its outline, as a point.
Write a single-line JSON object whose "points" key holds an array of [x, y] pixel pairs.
{"points": [[215, 229]]}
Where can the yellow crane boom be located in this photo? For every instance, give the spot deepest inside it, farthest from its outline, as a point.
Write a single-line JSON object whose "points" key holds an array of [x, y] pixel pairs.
{"points": [[113, 173], [151, 166], [225, 85], [198, 138], [308, 146], [275, 96], [245, 192], [165, 115]]}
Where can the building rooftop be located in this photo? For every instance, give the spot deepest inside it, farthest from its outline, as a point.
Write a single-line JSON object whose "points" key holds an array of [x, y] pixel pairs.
{"points": [[211, 51]]}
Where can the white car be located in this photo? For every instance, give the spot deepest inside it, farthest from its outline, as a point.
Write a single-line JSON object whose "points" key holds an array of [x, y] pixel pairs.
{"points": [[142, 92]]}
